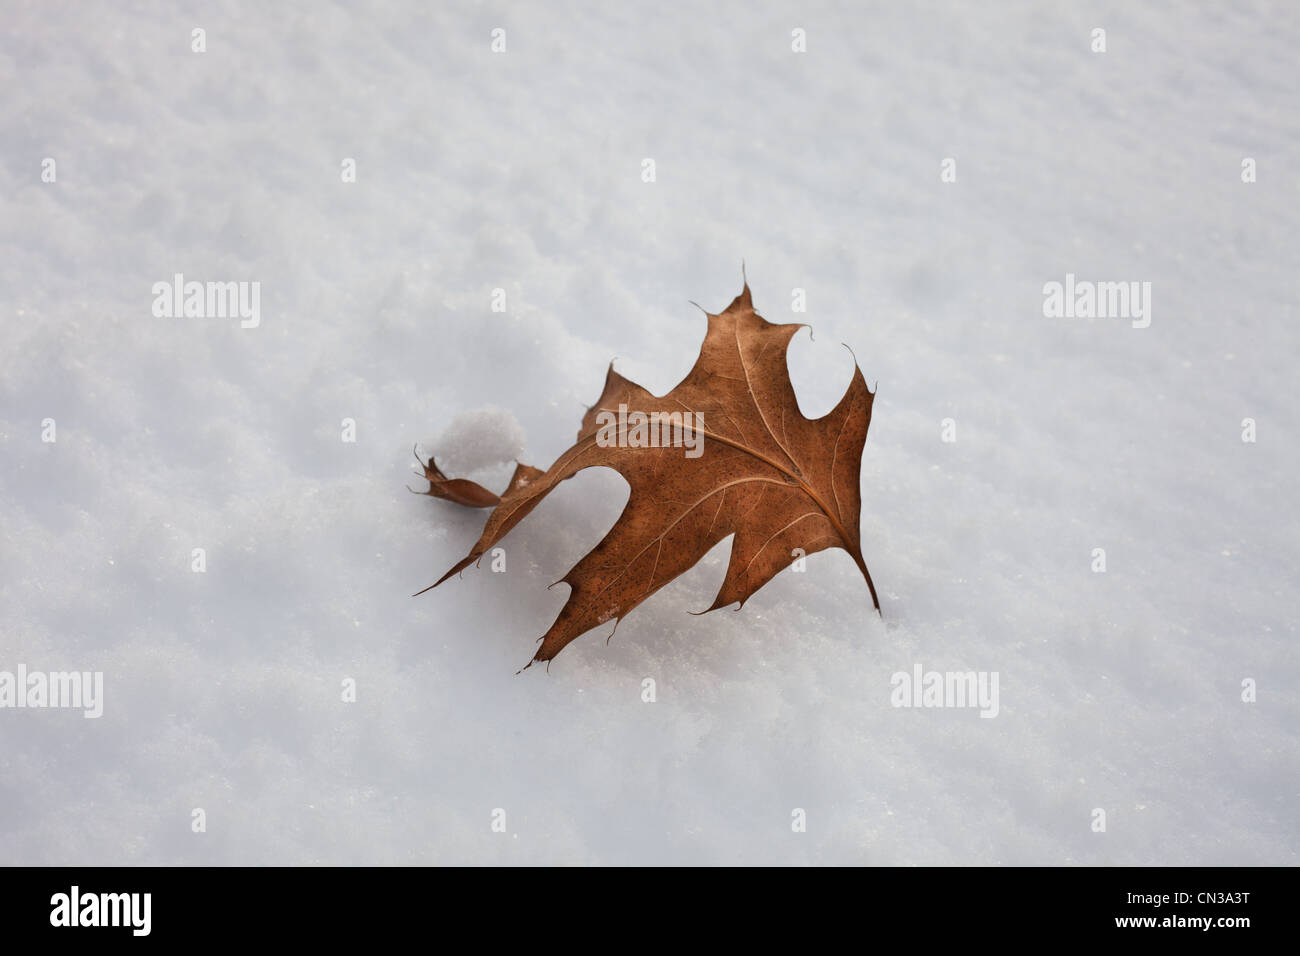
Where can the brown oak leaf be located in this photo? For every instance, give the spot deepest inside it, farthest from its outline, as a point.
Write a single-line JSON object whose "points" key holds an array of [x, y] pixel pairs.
{"points": [[726, 452]]}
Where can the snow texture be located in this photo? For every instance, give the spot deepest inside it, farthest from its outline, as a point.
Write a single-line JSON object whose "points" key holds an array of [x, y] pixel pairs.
{"points": [[523, 171]]}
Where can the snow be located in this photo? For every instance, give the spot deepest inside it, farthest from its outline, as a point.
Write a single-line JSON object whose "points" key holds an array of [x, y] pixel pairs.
{"points": [[522, 171]]}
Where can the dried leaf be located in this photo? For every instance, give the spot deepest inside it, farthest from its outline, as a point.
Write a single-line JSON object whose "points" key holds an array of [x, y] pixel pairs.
{"points": [[470, 493], [738, 458]]}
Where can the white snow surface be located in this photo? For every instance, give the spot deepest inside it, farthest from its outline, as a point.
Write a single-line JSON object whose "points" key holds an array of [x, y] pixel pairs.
{"points": [[1120, 691]]}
